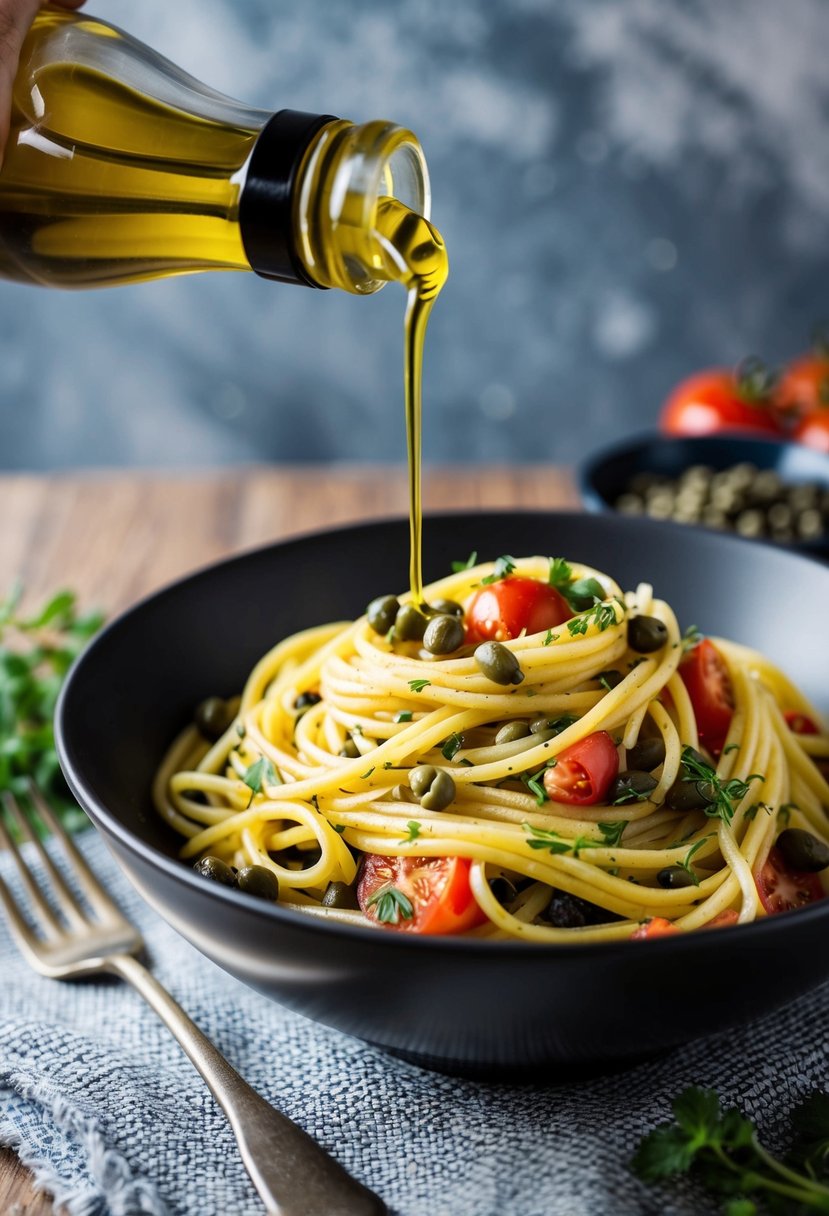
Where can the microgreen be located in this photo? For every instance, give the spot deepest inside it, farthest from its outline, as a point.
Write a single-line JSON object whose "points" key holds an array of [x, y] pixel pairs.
{"points": [[722, 1148], [459, 567], [391, 905], [503, 566], [36, 652], [419, 685]]}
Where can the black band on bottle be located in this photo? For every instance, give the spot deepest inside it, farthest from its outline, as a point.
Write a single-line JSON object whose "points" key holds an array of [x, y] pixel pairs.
{"points": [[265, 208]]}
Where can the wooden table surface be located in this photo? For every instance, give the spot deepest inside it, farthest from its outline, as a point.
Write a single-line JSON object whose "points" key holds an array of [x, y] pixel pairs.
{"points": [[116, 536]]}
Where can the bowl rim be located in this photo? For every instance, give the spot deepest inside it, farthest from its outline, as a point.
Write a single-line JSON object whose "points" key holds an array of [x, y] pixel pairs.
{"points": [[109, 824]]}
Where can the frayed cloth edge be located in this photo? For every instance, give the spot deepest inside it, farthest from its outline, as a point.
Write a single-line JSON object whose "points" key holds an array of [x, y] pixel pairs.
{"points": [[114, 1190]]}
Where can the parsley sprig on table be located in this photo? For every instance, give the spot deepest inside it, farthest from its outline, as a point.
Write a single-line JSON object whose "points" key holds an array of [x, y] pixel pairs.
{"points": [[722, 1149], [36, 651]]}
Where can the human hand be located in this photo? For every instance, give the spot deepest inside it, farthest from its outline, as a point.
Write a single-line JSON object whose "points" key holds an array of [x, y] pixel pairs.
{"points": [[15, 18]]}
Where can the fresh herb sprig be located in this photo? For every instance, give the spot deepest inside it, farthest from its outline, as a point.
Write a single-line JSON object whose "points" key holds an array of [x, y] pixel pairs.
{"points": [[723, 796], [392, 905], [552, 842], [722, 1149], [580, 593], [36, 651], [503, 566]]}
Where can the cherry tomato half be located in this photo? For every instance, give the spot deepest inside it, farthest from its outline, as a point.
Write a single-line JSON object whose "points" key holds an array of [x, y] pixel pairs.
{"points": [[804, 385], [713, 401], [706, 677], [501, 610], [813, 430], [657, 926], [781, 889], [418, 894], [800, 724], [584, 771], [723, 919]]}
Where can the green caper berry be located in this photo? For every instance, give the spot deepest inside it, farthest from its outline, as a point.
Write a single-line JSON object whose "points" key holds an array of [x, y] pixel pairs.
{"points": [[447, 607], [690, 795], [213, 718], [498, 663], [443, 634], [340, 895], [631, 786], [646, 634], [258, 881], [216, 870], [647, 754], [674, 876], [409, 624], [402, 793], [381, 613], [350, 749], [803, 851], [539, 725], [512, 731], [441, 792], [421, 778]]}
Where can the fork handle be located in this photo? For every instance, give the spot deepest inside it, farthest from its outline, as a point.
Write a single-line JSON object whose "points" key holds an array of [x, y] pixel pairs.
{"points": [[292, 1173]]}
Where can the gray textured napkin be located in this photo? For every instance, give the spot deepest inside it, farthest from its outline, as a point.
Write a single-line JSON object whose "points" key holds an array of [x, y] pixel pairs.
{"points": [[100, 1102]]}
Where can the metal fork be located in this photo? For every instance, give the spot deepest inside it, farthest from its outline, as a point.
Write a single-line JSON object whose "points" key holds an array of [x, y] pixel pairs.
{"points": [[292, 1173]]}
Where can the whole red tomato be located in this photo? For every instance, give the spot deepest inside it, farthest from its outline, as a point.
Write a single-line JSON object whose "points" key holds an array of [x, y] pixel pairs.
{"points": [[813, 430], [719, 400], [804, 386]]}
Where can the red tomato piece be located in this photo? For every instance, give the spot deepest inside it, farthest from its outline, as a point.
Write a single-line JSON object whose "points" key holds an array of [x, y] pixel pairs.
{"points": [[781, 888], [814, 430], [500, 611], [657, 926], [418, 894], [705, 675], [584, 771], [717, 400], [800, 723], [723, 919], [804, 385]]}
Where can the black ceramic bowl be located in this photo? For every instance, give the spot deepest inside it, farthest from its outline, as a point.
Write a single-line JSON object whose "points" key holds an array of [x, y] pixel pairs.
{"points": [[464, 1005], [607, 473]]}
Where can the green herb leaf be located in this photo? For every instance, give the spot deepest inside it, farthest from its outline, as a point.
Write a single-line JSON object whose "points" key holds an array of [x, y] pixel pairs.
{"points": [[459, 567], [550, 637], [561, 573], [260, 774], [58, 611], [602, 615], [391, 904], [503, 566], [405, 715], [685, 864], [612, 831], [535, 785], [691, 638], [452, 746], [419, 685], [365, 776], [549, 841], [725, 794], [414, 832]]}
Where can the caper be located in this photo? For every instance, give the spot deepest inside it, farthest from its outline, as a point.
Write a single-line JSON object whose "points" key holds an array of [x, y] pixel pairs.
{"points": [[216, 870], [213, 718], [631, 786], [402, 793], [340, 895], [433, 788], [674, 876], [350, 749], [539, 725], [381, 613], [258, 881], [420, 779], [443, 634], [803, 851], [441, 793], [511, 731], [498, 663], [690, 795], [447, 607], [306, 699], [646, 634], [409, 624], [647, 754]]}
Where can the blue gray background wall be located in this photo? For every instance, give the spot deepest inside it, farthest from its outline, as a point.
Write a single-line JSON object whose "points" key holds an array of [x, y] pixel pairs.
{"points": [[629, 189]]}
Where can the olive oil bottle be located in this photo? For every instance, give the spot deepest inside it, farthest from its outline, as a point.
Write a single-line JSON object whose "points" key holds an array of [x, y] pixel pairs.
{"points": [[120, 168]]}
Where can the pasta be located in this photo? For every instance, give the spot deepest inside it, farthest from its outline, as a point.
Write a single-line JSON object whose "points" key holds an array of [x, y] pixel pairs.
{"points": [[316, 768]]}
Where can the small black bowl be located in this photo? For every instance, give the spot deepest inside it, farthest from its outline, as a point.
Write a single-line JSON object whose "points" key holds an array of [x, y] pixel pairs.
{"points": [[607, 473], [458, 1004]]}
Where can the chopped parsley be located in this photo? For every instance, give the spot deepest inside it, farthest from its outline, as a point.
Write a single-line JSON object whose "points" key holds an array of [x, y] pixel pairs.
{"points": [[405, 715], [459, 567], [419, 685], [602, 615], [391, 904], [452, 746], [612, 832], [414, 832], [580, 593], [503, 566], [550, 637]]}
